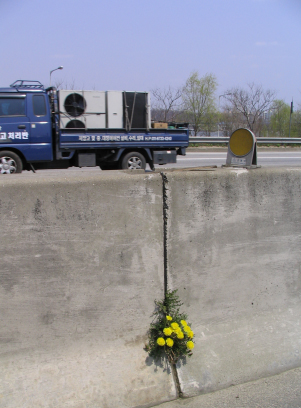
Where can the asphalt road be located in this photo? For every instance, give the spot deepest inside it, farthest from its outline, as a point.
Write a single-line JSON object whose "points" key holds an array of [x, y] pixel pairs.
{"points": [[196, 157], [217, 157]]}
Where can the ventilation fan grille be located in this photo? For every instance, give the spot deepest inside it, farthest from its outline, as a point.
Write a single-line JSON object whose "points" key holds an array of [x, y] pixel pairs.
{"points": [[75, 124], [75, 105]]}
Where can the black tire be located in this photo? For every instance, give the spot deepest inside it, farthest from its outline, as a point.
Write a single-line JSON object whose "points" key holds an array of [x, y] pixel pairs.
{"points": [[133, 161], [10, 162]]}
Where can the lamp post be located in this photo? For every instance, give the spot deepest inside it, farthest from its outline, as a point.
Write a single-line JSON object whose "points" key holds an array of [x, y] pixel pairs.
{"points": [[53, 71], [219, 104], [291, 111]]}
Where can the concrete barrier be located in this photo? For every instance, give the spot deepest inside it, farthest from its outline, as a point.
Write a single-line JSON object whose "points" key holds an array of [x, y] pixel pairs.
{"points": [[82, 260], [234, 239], [81, 265]]}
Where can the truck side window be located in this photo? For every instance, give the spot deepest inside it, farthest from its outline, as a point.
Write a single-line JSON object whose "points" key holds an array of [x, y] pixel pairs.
{"points": [[39, 105], [12, 107]]}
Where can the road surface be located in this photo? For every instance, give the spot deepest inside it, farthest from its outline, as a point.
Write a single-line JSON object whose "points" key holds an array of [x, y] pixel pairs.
{"points": [[196, 158], [274, 158]]}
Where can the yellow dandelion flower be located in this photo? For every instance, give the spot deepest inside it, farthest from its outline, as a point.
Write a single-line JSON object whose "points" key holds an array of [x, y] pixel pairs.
{"points": [[187, 329], [180, 335], [167, 331], [169, 342], [161, 341], [174, 325], [190, 334], [190, 344], [183, 323], [168, 317]]}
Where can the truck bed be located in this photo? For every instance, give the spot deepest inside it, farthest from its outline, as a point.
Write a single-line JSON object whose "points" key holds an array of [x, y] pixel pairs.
{"points": [[119, 138]]}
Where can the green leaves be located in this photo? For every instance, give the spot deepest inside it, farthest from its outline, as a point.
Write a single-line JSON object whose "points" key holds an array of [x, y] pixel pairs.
{"points": [[198, 98], [280, 118], [170, 334]]}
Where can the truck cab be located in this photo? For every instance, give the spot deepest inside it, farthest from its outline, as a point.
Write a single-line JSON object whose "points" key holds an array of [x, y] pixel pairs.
{"points": [[25, 126]]}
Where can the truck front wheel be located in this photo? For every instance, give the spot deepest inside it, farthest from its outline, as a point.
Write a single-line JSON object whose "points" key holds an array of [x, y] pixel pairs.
{"points": [[133, 161], [10, 162]]}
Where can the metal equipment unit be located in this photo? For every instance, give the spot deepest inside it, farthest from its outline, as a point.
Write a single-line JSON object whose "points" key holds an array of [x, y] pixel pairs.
{"points": [[82, 109], [136, 109], [114, 101], [104, 109]]}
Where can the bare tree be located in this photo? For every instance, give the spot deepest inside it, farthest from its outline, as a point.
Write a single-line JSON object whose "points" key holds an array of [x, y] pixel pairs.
{"points": [[58, 83], [61, 84], [167, 103], [229, 121], [198, 100], [250, 104]]}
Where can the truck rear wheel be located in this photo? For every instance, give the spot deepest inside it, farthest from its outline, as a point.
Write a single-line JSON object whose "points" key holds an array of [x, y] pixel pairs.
{"points": [[133, 161], [10, 162]]}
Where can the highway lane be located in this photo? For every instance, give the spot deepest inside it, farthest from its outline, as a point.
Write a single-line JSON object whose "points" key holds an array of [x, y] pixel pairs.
{"points": [[271, 158], [202, 157]]}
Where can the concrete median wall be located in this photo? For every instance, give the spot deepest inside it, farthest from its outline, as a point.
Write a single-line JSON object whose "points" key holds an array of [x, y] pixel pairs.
{"points": [[234, 242], [81, 265], [82, 260]]}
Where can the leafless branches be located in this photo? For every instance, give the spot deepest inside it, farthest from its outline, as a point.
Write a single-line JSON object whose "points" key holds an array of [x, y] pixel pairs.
{"points": [[61, 84], [167, 103], [249, 104]]}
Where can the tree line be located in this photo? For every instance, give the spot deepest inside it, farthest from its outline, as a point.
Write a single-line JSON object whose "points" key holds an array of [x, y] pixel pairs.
{"points": [[252, 107]]}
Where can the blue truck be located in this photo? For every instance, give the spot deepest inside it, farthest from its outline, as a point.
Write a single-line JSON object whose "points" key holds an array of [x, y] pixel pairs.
{"points": [[49, 129]]}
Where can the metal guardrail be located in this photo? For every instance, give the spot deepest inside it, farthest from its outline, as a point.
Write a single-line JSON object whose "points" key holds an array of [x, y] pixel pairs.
{"points": [[260, 140]]}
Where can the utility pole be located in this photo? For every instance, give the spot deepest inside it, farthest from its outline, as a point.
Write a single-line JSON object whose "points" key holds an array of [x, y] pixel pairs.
{"points": [[219, 104], [292, 110]]}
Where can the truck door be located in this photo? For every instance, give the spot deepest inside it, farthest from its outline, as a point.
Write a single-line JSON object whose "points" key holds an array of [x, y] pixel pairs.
{"points": [[14, 122], [40, 127]]}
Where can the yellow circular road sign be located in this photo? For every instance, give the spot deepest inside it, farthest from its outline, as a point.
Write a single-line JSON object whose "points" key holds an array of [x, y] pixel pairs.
{"points": [[241, 142]]}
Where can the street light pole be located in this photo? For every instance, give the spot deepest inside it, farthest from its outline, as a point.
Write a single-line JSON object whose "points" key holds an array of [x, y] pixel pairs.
{"points": [[219, 104], [291, 111], [60, 67]]}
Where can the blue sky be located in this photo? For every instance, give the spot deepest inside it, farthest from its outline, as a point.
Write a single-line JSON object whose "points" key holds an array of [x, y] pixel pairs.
{"points": [[140, 45]]}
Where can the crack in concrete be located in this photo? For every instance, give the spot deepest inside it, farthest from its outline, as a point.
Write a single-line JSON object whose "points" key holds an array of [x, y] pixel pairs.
{"points": [[165, 219], [165, 255]]}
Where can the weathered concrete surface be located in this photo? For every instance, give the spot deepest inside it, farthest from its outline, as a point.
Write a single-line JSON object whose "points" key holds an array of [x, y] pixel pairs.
{"points": [[280, 391], [234, 239], [81, 265], [82, 262]]}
